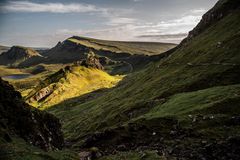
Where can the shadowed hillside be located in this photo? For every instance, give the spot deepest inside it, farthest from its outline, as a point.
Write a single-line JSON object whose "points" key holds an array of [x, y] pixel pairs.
{"points": [[126, 56], [20, 121], [17, 55], [185, 106]]}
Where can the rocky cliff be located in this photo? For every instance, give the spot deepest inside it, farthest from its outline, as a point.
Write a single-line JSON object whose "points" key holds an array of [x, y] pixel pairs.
{"points": [[218, 12], [18, 118]]}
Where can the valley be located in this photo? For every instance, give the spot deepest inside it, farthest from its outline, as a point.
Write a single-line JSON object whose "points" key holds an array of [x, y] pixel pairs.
{"points": [[93, 99]]}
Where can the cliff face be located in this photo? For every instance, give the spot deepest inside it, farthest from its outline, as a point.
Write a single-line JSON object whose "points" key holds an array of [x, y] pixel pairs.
{"points": [[218, 12], [18, 118], [92, 61]]}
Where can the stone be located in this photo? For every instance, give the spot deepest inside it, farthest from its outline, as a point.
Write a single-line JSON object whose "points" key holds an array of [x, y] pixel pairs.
{"points": [[85, 155]]}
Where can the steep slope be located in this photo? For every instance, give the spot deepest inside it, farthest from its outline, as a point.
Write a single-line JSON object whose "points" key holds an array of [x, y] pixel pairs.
{"points": [[38, 128], [17, 55], [27, 133], [185, 106], [72, 81]]}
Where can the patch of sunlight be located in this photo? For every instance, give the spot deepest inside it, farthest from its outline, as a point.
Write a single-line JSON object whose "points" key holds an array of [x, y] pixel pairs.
{"points": [[79, 81]]}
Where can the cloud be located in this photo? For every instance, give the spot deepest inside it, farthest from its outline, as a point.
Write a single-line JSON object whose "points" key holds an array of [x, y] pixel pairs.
{"points": [[119, 28], [173, 38], [121, 20], [180, 35], [27, 6], [115, 24], [199, 11]]}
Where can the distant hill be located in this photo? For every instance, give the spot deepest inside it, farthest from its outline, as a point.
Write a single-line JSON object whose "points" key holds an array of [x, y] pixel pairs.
{"points": [[128, 54], [142, 48], [17, 55]]}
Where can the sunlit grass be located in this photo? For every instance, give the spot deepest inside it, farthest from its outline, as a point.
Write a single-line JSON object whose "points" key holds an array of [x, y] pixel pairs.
{"points": [[79, 81]]}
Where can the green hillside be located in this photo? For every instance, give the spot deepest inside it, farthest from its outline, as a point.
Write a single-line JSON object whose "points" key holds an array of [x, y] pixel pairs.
{"points": [[192, 93], [181, 104], [68, 83]]}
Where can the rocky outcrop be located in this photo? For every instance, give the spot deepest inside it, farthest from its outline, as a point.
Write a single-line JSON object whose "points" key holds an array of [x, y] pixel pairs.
{"points": [[92, 61], [218, 12], [106, 61], [66, 52], [18, 118], [42, 94]]}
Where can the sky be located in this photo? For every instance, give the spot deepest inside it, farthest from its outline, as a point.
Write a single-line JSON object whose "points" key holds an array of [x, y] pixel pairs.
{"points": [[42, 23]]}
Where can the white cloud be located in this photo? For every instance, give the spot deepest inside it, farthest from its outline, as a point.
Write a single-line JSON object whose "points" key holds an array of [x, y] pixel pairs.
{"points": [[26, 6], [199, 11], [116, 24], [121, 20], [135, 30]]}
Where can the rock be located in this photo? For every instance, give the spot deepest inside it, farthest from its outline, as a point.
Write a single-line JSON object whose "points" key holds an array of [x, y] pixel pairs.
{"points": [[122, 147], [34, 126], [106, 61], [172, 133], [85, 155], [95, 152], [43, 93], [92, 61], [219, 44]]}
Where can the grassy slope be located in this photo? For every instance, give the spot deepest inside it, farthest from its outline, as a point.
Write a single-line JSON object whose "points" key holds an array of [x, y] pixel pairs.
{"points": [[4, 71], [18, 149], [30, 82], [198, 65], [73, 83], [147, 48]]}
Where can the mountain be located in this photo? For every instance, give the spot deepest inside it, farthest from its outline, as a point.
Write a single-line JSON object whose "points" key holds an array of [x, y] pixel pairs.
{"points": [[72, 81], [17, 55], [142, 48], [185, 106], [125, 56]]}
